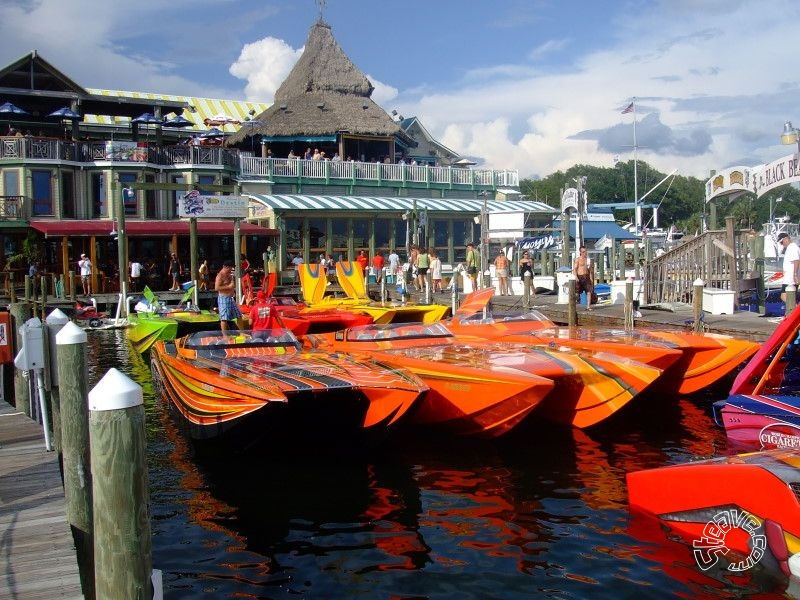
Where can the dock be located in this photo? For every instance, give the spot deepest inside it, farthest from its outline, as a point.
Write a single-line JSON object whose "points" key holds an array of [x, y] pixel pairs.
{"points": [[39, 561]]}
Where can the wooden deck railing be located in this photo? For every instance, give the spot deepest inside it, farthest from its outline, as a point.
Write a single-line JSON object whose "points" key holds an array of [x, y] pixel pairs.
{"points": [[721, 259]]}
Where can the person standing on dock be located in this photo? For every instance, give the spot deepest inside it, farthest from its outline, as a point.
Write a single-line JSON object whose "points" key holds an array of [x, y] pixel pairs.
{"points": [[791, 262], [85, 267], [226, 296], [175, 271], [583, 269], [473, 261], [526, 274]]}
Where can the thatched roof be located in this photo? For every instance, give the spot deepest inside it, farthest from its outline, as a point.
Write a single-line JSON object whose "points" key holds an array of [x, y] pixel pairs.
{"points": [[324, 94]]}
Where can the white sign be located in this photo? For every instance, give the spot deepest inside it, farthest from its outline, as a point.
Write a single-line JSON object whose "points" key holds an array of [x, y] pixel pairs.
{"points": [[569, 199], [194, 204]]}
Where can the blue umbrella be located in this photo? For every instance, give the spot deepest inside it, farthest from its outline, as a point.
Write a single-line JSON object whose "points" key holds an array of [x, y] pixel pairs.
{"points": [[213, 133], [179, 121], [11, 109], [65, 112], [147, 119]]}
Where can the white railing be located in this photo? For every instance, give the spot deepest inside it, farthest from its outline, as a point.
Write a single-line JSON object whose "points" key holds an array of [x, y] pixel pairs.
{"points": [[251, 166]]}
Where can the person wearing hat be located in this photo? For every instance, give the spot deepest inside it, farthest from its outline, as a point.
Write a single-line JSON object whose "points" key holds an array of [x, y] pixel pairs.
{"points": [[226, 296], [85, 268], [262, 316], [791, 261]]}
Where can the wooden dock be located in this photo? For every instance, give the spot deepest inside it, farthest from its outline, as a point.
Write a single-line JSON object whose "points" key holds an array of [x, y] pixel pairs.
{"points": [[38, 554]]}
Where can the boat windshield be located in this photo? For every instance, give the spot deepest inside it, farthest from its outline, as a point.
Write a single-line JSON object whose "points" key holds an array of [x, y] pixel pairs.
{"points": [[396, 331], [533, 316], [242, 339]]}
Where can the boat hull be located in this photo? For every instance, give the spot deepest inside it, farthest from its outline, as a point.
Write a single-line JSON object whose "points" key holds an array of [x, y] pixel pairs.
{"points": [[747, 501], [759, 420], [249, 395]]}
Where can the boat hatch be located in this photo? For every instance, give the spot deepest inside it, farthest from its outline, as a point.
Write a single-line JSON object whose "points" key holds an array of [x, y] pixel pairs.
{"points": [[266, 338], [394, 331]]}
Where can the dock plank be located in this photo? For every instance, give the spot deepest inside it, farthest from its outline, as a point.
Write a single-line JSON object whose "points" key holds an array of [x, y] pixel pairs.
{"points": [[37, 552]]}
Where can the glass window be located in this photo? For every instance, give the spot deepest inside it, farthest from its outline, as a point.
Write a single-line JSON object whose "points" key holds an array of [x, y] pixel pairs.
{"points": [[99, 204], [128, 198], [360, 234], [318, 236], [294, 234], [177, 194], [150, 205], [67, 195], [339, 238], [42, 192], [383, 233], [11, 182]]}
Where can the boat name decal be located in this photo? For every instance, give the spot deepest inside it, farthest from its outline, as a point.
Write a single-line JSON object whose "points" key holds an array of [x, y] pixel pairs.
{"points": [[772, 436], [711, 545]]}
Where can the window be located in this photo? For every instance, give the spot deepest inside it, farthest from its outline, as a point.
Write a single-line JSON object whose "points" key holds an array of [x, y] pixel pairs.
{"points": [[98, 195], [42, 193], [129, 200], [150, 206], [68, 208]]}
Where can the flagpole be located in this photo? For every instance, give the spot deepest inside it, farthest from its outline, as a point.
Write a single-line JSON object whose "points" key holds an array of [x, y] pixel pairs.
{"points": [[637, 210]]}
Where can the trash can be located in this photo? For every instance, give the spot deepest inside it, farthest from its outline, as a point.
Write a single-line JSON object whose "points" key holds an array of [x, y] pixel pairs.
{"points": [[563, 277]]}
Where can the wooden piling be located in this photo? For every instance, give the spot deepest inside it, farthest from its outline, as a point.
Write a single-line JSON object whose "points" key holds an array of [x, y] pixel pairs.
{"points": [[572, 312], [72, 376], [697, 305], [55, 322], [791, 298], [122, 537], [20, 312], [628, 309]]}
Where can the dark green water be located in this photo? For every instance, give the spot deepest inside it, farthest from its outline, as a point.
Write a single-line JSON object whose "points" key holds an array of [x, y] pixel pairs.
{"points": [[540, 514]]}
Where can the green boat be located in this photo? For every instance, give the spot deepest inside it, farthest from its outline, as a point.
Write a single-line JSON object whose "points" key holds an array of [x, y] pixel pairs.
{"points": [[154, 321]]}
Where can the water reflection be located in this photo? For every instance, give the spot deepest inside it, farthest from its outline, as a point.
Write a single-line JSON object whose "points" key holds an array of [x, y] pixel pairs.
{"points": [[541, 513]]}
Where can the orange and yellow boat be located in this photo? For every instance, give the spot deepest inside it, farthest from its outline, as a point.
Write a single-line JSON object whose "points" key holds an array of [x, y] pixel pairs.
{"points": [[691, 362], [351, 279], [462, 375], [253, 386]]}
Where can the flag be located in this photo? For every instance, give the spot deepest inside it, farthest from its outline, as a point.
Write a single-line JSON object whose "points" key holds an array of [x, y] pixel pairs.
{"points": [[628, 109]]}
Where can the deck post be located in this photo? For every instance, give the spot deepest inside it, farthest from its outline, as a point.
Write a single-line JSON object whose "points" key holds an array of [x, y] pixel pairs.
{"points": [[791, 298], [122, 536], [20, 313], [697, 304], [72, 375], [628, 310], [54, 323], [572, 309]]}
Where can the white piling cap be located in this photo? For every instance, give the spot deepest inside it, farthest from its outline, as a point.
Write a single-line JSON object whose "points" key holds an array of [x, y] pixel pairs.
{"points": [[794, 564], [114, 391], [699, 282], [70, 334], [57, 317]]}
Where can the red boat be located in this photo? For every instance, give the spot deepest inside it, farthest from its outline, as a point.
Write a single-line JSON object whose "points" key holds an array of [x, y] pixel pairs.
{"points": [[742, 507]]}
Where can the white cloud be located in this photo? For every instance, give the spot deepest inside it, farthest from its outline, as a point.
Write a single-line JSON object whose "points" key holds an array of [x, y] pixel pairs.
{"points": [[264, 65]]}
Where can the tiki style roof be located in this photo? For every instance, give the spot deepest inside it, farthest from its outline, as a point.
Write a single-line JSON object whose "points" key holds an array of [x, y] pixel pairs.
{"points": [[324, 94]]}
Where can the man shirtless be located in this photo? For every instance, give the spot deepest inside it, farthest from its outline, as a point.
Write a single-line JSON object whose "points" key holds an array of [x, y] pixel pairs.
{"points": [[226, 298], [583, 269]]}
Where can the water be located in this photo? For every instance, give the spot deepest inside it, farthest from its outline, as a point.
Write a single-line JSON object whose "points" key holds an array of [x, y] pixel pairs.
{"points": [[542, 513]]}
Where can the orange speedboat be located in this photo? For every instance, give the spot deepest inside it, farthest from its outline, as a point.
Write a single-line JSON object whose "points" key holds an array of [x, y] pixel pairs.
{"points": [[587, 387], [747, 504], [246, 387], [691, 361]]}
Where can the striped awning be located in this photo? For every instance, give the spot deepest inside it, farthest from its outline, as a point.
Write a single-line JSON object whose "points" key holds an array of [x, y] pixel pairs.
{"points": [[297, 202]]}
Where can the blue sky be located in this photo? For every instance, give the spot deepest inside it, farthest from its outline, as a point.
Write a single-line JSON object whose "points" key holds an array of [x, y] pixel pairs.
{"points": [[531, 85]]}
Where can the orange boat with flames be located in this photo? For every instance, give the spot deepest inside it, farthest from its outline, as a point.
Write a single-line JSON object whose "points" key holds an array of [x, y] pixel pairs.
{"points": [[257, 386], [691, 362], [465, 392]]}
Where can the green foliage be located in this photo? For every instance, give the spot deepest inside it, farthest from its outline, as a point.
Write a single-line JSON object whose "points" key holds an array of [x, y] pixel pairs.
{"points": [[31, 251], [680, 199]]}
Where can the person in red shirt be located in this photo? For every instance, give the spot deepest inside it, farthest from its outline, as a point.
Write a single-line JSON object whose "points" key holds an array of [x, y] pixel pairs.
{"points": [[262, 316], [363, 261], [377, 264]]}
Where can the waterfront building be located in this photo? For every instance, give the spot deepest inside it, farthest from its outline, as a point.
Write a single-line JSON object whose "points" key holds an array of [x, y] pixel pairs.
{"points": [[65, 179]]}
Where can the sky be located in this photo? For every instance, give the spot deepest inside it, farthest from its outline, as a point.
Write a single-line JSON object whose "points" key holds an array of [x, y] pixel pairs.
{"points": [[531, 85]]}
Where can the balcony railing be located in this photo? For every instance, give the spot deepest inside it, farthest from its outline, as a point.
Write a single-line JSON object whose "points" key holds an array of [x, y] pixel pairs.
{"points": [[52, 149], [327, 171], [12, 207]]}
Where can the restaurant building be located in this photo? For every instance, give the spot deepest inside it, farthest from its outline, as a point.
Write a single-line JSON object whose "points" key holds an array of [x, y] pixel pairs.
{"points": [[73, 159]]}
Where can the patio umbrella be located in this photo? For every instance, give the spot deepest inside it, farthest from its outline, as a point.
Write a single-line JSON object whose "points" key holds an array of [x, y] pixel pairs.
{"points": [[179, 121], [6, 108], [147, 119], [221, 120], [212, 133], [65, 112]]}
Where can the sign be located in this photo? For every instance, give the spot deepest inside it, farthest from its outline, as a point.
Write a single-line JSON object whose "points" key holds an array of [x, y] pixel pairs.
{"points": [[194, 204], [569, 200], [125, 151], [759, 180], [541, 242]]}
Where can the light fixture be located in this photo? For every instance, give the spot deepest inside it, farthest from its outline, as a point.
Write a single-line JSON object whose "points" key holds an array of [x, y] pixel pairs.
{"points": [[321, 105], [790, 135], [251, 112], [113, 233], [365, 106], [394, 113], [283, 107], [477, 219]]}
